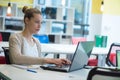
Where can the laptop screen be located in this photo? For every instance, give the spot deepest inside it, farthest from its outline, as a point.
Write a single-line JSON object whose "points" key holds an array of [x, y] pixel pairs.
{"points": [[111, 56], [117, 58], [81, 55], [79, 60]]}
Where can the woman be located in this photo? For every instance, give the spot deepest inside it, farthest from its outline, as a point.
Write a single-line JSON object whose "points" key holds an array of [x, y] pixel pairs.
{"points": [[24, 48]]}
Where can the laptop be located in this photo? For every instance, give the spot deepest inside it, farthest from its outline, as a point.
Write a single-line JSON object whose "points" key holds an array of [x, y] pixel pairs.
{"points": [[118, 58], [79, 59]]}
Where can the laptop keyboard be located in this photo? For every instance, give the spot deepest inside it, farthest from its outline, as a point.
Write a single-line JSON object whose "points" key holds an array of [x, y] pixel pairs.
{"points": [[63, 66]]}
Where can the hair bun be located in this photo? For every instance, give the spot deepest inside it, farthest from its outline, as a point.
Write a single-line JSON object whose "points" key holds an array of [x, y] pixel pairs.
{"points": [[24, 9]]}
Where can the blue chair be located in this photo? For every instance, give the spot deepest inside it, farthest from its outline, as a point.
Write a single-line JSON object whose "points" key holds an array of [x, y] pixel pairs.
{"points": [[42, 38]]}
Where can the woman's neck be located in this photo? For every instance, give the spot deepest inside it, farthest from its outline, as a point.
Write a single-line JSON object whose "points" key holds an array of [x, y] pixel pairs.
{"points": [[27, 34], [28, 37]]}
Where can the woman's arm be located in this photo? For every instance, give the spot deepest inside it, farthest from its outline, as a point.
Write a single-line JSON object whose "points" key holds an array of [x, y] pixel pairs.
{"points": [[16, 55]]}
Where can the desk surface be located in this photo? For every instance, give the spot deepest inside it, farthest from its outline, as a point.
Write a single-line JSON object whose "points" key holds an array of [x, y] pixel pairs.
{"points": [[22, 74], [69, 49], [62, 48], [58, 48]]}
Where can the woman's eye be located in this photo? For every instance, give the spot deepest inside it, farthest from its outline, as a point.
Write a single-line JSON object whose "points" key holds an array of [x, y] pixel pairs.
{"points": [[37, 22]]}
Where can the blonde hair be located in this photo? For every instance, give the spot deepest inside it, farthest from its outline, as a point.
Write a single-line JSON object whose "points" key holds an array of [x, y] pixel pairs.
{"points": [[29, 12]]}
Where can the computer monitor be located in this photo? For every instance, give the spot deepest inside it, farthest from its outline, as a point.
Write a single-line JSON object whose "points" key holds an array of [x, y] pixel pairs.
{"points": [[118, 58], [111, 56]]}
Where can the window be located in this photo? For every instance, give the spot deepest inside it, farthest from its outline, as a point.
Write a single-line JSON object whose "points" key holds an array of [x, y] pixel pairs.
{"points": [[82, 12]]}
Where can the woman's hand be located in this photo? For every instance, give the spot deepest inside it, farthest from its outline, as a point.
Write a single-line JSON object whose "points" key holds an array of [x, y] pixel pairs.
{"points": [[58, 62]]}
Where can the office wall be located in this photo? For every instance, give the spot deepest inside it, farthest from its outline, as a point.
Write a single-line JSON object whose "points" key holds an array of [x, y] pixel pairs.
{"points": [[112, 7], [16, 1], [95, 19], [111, 27], [106, 22]]}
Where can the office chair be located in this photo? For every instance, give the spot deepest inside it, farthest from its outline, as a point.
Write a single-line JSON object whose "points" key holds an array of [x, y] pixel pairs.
{"points": [[111, 56], [42, 38], [75, 40], [2, 60], [5, 36], [1, 37], [99, 73], [6, 53]]}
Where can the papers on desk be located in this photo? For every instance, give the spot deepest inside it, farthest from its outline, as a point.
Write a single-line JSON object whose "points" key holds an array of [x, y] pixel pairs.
{"points": [[27, 66]]}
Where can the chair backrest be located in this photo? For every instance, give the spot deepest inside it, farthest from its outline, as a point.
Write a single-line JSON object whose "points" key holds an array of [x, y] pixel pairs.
{"points": [[5, 36], [111, 56], [42, 38], [98, 73], [6, 53], [75, 40], [1, 37]]}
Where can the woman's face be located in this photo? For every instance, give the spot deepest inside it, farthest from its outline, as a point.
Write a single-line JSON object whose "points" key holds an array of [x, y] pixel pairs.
{"points": [[34, 23]]}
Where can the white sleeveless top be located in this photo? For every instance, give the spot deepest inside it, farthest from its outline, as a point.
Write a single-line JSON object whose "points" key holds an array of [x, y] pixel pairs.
{"points": [[29, 50]]}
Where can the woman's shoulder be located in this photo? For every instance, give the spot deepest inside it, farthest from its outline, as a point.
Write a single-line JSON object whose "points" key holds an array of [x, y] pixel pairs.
{"points": [[15, 38], [16, 35], [36, 40]]}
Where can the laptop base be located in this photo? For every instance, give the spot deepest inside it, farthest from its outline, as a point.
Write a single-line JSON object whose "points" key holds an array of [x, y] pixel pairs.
{"points": [[54, 69]]}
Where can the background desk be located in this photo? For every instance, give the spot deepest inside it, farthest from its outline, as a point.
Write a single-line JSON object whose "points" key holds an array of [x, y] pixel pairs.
{"points": [[68, 49], [58, 48], [61, 48], [20, 74]]}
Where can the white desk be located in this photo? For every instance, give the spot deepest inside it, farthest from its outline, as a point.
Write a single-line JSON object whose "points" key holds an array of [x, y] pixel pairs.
{"points": [[50, 48], [67, 49], [3, 44], [62, 48], [70, 49], [20, 74], [58, 48]]}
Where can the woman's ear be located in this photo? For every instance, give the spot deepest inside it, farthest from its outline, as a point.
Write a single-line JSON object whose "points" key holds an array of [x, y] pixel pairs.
{"points": [[26, 20]]}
